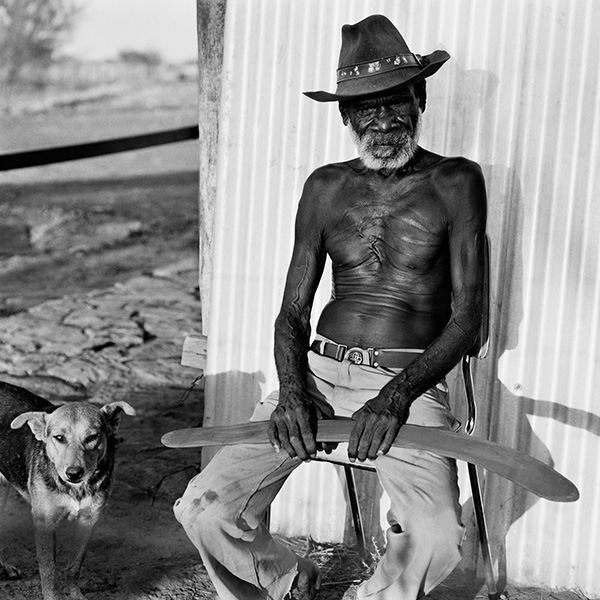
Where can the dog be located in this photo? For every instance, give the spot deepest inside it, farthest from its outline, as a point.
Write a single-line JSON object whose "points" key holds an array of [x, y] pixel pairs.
{"points": [[62, 464]]}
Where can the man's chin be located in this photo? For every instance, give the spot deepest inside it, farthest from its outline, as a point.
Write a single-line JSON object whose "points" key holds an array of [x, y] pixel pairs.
{"points": [[383, 152], [377, 162], [379, 156]]}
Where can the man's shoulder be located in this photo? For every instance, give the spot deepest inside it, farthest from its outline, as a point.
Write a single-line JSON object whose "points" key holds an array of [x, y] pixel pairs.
{"points": [[335, 171], [327, 180], [453, 166], [461, 185], [457, 175]]}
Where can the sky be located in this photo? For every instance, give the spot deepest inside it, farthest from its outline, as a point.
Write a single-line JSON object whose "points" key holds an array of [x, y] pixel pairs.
{"points": [[106, 27]]}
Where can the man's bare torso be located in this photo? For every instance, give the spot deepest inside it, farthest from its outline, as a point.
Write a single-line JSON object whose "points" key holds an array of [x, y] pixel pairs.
{"points": [[387, 236]]}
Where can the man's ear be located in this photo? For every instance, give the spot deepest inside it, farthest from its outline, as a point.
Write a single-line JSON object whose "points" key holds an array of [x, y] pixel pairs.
{"points": [[36, 422], [113, 411], [344, 114]]}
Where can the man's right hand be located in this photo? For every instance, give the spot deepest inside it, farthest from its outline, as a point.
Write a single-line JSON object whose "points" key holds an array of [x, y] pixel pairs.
{"points": [[293, 425]]}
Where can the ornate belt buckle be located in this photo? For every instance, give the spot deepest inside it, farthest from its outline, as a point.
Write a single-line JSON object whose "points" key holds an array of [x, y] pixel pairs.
{"points": [[355, 355]]}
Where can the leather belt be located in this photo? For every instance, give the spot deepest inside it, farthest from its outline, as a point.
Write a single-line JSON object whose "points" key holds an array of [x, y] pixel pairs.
{"points": [[372, 357]]}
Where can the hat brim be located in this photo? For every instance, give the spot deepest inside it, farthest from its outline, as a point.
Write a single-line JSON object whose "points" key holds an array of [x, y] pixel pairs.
{"points": [[373, 86]]}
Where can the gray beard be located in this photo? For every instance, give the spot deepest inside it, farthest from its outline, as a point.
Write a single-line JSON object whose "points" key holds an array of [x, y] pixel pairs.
{"points": [[402, 147]]}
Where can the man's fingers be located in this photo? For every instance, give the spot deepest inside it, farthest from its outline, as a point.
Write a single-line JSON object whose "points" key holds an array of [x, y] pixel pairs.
{"points": [[366, 427], [291, 429], [373, 448], [353, 441], [388, 440], [308, 438], [383, 438], [327, 447], [274, 437], [371, 437], [280, 433], [301, 437], [298, 447]]}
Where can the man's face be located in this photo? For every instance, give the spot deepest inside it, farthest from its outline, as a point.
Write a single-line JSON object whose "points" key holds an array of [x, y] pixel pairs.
{"points": [[386, 129]]}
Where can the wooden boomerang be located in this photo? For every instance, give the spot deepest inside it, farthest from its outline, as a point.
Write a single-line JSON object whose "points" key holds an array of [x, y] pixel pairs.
{"points": [[522, 469]]}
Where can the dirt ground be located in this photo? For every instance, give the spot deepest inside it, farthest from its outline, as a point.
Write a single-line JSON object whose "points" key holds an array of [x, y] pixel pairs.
{"points": [[69, 230]]}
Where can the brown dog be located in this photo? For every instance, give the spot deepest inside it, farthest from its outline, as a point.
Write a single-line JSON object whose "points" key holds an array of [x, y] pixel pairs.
{"points": [[62, 464]]}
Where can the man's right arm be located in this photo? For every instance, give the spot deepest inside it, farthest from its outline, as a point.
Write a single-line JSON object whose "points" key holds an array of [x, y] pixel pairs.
{"points": [[293, 421]]}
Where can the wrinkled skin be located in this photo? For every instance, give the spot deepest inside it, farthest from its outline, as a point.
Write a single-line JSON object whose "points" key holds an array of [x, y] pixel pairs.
{"points": [[407, 247]]}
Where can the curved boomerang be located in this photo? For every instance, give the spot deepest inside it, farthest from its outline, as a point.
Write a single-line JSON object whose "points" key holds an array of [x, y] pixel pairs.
{"points": [[522, 469]]}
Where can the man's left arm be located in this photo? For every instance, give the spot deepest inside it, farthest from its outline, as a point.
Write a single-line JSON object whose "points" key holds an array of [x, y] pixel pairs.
{"points": [[377, 423]]}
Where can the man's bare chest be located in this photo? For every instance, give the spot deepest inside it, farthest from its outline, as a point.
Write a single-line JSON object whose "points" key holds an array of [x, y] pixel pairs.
{"points": [[395, 229]]}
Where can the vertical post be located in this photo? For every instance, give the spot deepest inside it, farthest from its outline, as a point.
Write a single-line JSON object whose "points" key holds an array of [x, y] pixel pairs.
{"points": [[211, 27]]}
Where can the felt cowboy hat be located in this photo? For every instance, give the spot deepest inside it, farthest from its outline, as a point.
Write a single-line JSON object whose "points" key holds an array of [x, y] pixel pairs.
{"points": [[374, 58]]}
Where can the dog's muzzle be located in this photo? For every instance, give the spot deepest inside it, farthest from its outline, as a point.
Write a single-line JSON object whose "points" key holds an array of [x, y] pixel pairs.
{"points": [[75, 474]]}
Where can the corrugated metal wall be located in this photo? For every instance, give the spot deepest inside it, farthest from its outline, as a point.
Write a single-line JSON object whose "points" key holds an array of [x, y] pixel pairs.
{"points": [[519, 97]]}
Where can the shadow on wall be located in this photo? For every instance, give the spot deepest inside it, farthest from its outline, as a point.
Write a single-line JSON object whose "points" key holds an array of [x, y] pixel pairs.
{"points": [[230, 398], [505, 418], [508, 416]]}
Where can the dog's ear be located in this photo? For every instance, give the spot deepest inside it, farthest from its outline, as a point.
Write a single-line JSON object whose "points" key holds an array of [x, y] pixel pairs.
{"points": [[113, 413], [36, 422]]}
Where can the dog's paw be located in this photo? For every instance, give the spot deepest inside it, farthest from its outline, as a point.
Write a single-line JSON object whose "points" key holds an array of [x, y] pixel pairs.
{"points": [[9, 572]]}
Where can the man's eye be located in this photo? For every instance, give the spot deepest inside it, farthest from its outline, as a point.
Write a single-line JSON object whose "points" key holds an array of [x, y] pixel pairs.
{"points": [[364, 112]]}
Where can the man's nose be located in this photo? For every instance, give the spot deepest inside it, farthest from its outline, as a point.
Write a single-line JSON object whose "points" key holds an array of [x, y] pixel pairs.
{"points": [[386, 120]]}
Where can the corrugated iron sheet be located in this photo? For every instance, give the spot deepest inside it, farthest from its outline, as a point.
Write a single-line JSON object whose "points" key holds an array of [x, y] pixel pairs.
{"points": [[519, 97]]}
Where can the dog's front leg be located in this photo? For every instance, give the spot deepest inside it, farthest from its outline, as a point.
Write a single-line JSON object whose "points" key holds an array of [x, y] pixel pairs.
{"points": [[82, 532], [45, 544]]}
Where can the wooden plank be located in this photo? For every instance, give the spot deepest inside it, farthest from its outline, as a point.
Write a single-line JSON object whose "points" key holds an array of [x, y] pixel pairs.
{"points": [[194, 352]]}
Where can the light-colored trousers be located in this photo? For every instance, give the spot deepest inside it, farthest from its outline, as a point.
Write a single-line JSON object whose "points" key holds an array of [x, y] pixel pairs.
{"points": [[223, 506]]}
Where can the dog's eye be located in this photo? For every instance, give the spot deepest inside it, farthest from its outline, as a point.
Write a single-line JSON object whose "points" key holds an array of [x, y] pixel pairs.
{"points": [[60, 439], [91, 438]]}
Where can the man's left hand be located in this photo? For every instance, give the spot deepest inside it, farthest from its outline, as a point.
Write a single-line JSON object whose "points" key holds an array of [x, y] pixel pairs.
{"points": [[376, 426]]}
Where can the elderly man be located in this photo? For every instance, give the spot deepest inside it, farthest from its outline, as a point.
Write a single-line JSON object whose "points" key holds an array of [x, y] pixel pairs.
{"points": [[405, 230]]}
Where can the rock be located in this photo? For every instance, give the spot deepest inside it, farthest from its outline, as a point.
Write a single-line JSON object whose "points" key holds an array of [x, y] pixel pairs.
{"points": [[14, 238], [98, 343]]}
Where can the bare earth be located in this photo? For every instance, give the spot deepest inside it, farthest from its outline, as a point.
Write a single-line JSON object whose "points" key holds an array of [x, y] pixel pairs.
{"points": [[98, 288]]}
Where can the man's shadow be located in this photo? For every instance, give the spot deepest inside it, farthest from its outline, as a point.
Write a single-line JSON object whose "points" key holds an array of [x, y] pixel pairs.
{"points": [[474, 99]]}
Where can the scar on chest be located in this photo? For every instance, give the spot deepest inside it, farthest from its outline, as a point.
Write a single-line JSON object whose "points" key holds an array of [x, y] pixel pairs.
{"points": [[373, 241], [374, 245]]}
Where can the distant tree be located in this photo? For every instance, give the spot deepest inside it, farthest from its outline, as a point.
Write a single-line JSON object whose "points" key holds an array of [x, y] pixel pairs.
{"points": [[31, 31], [149, 58]]}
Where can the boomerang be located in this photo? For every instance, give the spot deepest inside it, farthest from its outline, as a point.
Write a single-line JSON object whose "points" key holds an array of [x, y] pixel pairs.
{"points": [[522, 469]]}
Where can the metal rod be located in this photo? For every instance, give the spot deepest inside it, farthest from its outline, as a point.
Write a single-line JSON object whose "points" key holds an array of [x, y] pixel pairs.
{"points": [[356, 516], [470, 394], [490, 576]]}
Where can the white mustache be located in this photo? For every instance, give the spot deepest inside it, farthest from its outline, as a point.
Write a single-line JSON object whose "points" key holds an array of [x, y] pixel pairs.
{"points": [[403, 142], [392, 138]]}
